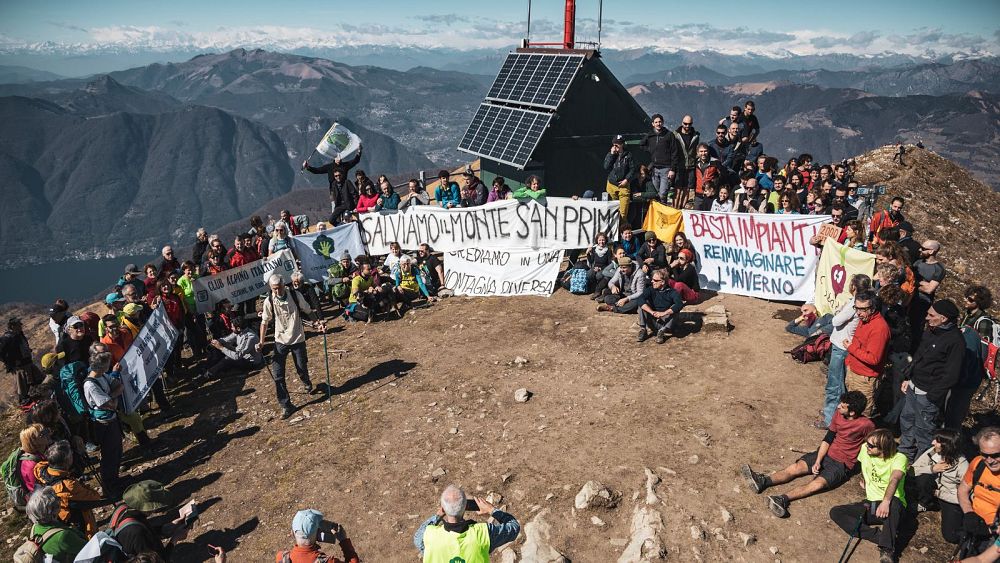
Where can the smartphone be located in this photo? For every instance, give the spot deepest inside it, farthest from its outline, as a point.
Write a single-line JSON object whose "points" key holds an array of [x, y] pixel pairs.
{"points": [[191, 518], [471, 505]]}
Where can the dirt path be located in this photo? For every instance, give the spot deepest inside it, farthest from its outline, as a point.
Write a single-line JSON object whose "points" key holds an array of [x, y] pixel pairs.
{"points": [[435, 391]]}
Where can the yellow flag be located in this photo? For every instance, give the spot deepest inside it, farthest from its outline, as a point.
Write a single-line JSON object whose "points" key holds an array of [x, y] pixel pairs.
{"points": [[837, 265], [663, 220]]}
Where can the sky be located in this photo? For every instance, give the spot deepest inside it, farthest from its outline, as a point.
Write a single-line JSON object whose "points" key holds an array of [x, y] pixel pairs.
{"points": [[768, 26]]}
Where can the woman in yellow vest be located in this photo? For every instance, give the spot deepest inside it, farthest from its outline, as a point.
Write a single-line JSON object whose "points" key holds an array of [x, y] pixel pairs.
{"points": [[447, 537]]}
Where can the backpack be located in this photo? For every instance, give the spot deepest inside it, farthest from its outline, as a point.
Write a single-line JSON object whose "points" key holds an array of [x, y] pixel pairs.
{"points": [[814, 349], [286, 557], [10, 471], [578, 281], [104, 547], [992, 344], [31, 550]]}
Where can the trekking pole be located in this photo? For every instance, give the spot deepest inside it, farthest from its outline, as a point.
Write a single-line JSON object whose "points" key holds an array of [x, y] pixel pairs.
{"points": [[850, 538], [326, 360]]}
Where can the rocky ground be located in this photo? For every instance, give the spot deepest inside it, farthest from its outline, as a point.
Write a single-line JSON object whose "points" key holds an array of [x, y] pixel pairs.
{"points": [[433, 398]]}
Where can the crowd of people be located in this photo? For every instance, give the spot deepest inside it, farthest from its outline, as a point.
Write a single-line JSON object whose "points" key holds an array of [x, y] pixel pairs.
{"points": [[900, 360]]}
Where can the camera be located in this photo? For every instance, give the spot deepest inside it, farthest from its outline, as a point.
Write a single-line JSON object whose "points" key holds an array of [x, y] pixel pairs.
{"points": [[471, 505], [329, 532]]}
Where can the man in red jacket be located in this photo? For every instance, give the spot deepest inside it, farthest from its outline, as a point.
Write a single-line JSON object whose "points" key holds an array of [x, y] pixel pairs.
{"points": [[866, 351], [706, 169]]}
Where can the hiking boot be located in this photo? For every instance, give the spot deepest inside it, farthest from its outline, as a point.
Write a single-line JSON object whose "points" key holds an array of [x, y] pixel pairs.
{"points": [[643, 336], [886, 555], [604, 308], [288, 412], [309, 388], [819, 424], [778, 505], [757, 481]]}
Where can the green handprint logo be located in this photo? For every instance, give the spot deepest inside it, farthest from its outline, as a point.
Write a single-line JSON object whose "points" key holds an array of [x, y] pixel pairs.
{"points": [[323, 245]]}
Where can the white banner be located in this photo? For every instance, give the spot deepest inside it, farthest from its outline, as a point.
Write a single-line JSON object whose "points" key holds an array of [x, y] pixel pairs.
{"points": [[245, 282], [145, 358], [765, 256], [316, 251], [562, 223], [483, 271]]}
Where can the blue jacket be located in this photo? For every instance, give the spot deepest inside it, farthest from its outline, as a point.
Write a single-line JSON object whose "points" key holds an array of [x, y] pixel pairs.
{"points": [[70, 392], [390, 203], [450, 194]]}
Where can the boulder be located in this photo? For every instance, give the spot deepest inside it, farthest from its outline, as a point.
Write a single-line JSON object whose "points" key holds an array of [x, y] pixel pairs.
{"points": [[595, 495], [644, 541], [522, 395], [536, 548]]}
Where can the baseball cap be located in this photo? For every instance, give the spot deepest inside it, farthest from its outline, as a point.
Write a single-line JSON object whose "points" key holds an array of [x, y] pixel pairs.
{"points": [[618, 140], [132, 309], [73, 321], [306, 522], [148, 496], [131, 269], [113, 298]]}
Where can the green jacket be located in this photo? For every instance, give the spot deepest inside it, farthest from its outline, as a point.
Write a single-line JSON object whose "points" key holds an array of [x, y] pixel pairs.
{"points": [[63, 546], [524, 192]]}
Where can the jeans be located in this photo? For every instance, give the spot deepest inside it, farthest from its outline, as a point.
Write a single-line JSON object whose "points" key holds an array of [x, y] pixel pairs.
{"points": [[630, 307], [281, 351], [835, 386], [917, 424], [661, 181], [847, 516]]}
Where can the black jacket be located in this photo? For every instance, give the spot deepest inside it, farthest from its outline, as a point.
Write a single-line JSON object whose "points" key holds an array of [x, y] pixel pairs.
{"points": [[663, 149], [689, 151], [14, 350], [330, 167], [620, 167], [937, 364]]}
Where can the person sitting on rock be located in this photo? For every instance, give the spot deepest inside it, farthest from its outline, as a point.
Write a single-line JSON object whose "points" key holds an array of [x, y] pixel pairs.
{"points": [[883, 470], [447, 536], [625, 289], [831, 465], [652, 255], [659, 309], [306, 530]]}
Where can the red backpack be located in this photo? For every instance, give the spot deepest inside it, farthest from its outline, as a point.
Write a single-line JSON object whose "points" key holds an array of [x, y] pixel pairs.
{"points": [[814, 349]]}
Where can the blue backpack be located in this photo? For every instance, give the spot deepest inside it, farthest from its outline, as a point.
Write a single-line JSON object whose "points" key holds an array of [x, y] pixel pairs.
{"points": [[578, 281]]}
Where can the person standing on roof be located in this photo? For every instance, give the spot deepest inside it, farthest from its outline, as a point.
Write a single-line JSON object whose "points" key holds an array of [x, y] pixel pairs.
{"points": [[665, 156], [343, 194], [621, 169], [688, 139]]}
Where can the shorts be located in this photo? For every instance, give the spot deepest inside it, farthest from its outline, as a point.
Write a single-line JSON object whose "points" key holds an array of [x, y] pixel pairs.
{"points": [[832, 471]]}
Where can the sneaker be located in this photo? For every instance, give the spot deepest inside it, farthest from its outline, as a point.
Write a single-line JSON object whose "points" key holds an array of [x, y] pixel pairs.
{"points": [[778, 505], [886, 555], [757, 481], [643, 336], [604, 308], [921, 508], [288, 412], [661, 338]]}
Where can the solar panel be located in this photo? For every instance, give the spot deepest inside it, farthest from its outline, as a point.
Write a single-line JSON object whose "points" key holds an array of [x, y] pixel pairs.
{"points": [[535, 79], [505, 134]]}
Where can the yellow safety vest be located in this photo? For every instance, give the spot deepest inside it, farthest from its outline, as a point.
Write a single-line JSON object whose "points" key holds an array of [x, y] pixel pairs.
{"points": [[471, 546]]}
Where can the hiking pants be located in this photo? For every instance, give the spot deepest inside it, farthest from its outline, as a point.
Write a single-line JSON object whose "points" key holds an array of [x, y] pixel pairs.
{"points": [[917, 424], [835, 386], [647, 321], [951, 514], [623, 195], [24, 377], [281, 352], [847, 515], [630, 307], [226, 365], [109, 438], [865, 384]]}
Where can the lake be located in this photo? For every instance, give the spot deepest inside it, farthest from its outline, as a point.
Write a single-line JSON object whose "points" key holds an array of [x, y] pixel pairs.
{"points": [[72, 281]]}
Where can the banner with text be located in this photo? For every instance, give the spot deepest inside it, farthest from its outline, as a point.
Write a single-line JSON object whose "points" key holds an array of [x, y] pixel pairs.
{"points": [[145, 358], [664, 221], [316, 251], [483, 271], [562, 223], [765, 256], [245, 282], [837, 265]]}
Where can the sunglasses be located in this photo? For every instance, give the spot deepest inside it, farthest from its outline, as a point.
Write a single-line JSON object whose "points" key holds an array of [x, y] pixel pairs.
{"points": [[871, 445], [994, 455], [686, 124], [78, 326]]}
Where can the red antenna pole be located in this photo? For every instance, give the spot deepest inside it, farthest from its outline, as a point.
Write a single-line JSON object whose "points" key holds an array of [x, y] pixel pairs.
{"points": [[569, 29]]}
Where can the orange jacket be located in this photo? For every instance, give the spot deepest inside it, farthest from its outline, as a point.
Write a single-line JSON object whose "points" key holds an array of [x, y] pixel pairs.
{"points": [[69, 489]]}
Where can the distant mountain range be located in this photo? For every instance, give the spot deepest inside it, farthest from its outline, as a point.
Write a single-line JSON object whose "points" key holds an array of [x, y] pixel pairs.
{"points": [[933, 79], [126, 161]]}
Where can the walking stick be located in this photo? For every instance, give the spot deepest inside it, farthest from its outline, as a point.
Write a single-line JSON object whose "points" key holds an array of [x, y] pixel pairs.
{"points": [[850, 538], [326, 360]]}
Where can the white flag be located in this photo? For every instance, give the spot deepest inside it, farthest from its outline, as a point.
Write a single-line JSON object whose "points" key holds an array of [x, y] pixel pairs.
{"points": [[338, 141]]}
